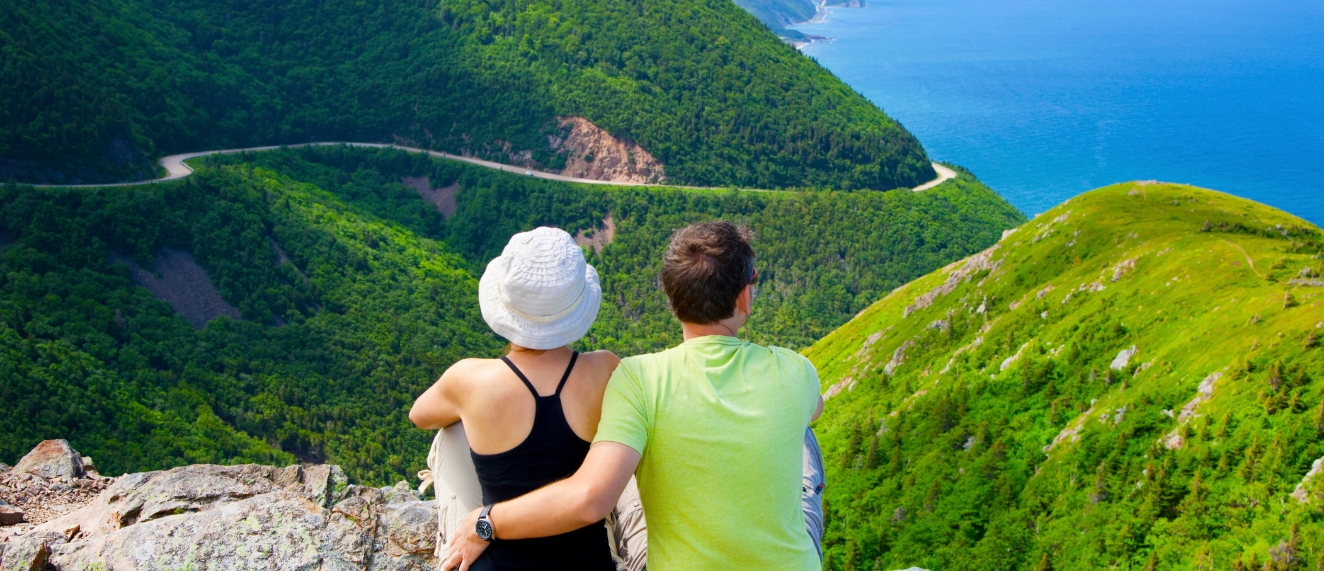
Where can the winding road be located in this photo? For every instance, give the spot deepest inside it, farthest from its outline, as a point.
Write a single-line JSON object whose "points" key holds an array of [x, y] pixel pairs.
{"points": [[177, 169], [944, 174]]}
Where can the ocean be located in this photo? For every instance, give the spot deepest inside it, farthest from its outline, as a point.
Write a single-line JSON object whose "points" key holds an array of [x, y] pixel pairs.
{"points": [[1045, 99]]}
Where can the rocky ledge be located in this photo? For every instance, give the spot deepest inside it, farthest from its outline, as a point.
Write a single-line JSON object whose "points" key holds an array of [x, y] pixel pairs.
{"points": [[56, 513]]}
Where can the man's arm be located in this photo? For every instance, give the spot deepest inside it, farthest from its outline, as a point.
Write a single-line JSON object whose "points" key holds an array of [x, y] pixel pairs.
{"points": [[818, 411], [580, 500]]}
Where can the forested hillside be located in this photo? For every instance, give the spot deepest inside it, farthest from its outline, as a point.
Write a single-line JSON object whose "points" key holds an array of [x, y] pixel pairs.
{"points": [[354, 294], [93, 91], [1132, 380]]}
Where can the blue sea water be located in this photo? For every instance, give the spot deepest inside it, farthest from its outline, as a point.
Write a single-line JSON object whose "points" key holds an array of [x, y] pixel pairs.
{"points": [[1045, 99]]}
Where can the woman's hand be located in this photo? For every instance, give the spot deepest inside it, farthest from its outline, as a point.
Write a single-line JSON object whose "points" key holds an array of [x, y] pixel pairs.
{"points": [[466, 546]]}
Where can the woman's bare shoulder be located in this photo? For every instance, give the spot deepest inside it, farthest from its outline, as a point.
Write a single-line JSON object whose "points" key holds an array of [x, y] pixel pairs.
{"points": [[602, 363], [467, 373]]}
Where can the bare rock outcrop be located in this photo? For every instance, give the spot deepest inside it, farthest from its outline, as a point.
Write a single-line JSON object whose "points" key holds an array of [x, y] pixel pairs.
{"points": [[52, 459], [1072, 431], [898, 357], [593, 153], [234, 517], [1123, 358], [183, 283], [974, 264], [1302, 492], [1173, 440]]}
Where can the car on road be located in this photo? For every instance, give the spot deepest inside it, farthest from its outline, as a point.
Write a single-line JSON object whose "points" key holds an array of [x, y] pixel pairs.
{"points": [[528, 173]]}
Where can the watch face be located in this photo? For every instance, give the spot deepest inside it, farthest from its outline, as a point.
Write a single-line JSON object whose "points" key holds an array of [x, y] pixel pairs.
{"points": [[484, 530]]}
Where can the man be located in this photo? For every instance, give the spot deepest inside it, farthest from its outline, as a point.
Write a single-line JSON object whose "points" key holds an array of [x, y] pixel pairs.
{"points": [[713, 429]]}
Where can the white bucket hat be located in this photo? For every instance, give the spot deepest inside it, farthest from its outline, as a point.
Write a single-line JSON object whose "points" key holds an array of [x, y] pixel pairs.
{"points": [[540, 293]]}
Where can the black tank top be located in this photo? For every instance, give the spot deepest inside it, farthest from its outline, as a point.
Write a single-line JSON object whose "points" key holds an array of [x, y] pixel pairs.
{"points": [[551, 452]]}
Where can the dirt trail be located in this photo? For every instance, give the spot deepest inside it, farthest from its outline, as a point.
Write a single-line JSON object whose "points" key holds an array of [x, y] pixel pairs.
{"points": [[177, 169], [1248, 260]]}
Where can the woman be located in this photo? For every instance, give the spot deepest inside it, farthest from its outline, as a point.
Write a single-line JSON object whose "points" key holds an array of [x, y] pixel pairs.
{"points": [[531, 414]]}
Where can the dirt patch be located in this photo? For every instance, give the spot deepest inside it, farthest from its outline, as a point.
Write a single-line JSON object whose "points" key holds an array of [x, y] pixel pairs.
{"points": [[593, 153], [597, 239], [442, 198], [182, 283]]}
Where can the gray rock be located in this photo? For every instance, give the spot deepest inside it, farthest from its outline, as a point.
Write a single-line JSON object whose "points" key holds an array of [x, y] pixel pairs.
{"points": [[52, 459], [147, 496], [245, 517], [274, 530], [29, 552], [406, 535], [4, 467], [1123, 358], [400, 492]]}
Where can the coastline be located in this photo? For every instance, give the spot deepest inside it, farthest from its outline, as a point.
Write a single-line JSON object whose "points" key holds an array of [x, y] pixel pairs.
{"points": [[821, 13]]}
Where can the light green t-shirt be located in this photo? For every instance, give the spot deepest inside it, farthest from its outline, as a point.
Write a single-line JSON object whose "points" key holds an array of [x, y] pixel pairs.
{"points": [[720, 426]]}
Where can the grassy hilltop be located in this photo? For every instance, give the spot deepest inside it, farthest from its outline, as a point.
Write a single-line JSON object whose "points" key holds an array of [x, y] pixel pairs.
{"points": [[93, 90], [349, 294], [1132, 380]]}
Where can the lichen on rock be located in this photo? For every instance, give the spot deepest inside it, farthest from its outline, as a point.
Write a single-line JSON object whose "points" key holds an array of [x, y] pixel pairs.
{"points": [[234, 517]]}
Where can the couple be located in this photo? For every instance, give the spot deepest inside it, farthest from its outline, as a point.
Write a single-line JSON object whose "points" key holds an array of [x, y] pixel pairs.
{"points": [[715, 429]]}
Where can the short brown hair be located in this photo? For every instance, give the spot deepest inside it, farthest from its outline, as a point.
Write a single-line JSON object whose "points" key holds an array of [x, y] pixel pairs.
{"points": [[705, 268]]}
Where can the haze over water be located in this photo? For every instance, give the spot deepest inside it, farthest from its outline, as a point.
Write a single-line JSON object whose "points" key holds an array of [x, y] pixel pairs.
{"points": [[1046, 99]]}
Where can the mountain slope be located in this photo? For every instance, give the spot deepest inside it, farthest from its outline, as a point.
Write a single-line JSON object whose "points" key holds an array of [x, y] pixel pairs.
{"points": [[701, 86], [1132, 380], [338, 307], [354, 293], [823, 257]]}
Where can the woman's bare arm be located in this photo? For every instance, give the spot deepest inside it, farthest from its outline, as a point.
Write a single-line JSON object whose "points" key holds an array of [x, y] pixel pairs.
{"points": [[437, 407]]}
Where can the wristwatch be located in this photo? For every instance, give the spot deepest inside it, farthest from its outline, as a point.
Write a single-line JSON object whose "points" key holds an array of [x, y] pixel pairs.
{"points": [[484, 526]]}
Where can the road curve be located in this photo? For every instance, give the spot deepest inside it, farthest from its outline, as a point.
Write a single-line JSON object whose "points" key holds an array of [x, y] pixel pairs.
{"points": [[177, 169], [944, 174]]}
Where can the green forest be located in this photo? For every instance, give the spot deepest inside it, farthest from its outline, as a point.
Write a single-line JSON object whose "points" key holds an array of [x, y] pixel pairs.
{"points": [[355, 294], [1132, 380], [96, 91]]}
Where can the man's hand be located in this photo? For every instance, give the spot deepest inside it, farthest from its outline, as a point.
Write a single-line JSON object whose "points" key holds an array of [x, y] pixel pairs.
{"points": [[466, 546]]}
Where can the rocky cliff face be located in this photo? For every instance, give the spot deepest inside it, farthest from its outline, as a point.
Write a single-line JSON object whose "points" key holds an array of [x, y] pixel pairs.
{"points": [[209, 517], [594, 153]]}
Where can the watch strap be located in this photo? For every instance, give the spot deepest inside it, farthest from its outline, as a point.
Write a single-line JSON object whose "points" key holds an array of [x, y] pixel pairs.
{"points": [[484, 518]]}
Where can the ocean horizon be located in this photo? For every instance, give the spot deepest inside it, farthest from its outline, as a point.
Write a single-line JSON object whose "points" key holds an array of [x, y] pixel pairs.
{"points": [[1045, 100]]}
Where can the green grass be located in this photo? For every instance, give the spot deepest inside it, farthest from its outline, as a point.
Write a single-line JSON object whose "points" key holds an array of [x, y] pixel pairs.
{"points": [[948, 469]]}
